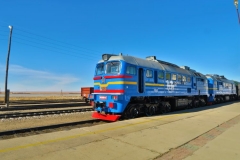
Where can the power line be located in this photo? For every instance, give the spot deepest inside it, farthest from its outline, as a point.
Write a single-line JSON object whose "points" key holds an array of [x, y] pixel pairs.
{"points": [[4, 30], [57, 40], [54, 51], [4, 22], [22, 30], [54, 47], [53, 44], [45, 41], [50, 42], [2, 26], [4, 35]]}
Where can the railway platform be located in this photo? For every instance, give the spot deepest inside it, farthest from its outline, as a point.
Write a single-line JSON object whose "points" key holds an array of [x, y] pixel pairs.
{"points": [[210, 132]]}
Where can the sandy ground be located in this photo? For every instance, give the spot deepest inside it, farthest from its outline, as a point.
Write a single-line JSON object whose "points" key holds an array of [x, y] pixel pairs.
{"points": [[19, 123], [49, 97]]}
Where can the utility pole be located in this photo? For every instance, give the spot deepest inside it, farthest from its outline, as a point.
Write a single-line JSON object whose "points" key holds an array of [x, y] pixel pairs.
{"points": [[7, 64], [236, 4]]}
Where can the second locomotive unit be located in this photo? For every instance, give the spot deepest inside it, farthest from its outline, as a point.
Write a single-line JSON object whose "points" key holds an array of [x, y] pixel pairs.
{"points": [[127, 86]]}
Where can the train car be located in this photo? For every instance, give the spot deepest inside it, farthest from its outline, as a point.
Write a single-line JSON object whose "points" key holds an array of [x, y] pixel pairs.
{"points": [[237, 84], [127, 86], [85, 92], [220, 89]]}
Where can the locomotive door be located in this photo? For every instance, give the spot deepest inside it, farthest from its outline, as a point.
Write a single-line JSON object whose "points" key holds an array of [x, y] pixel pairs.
{"points": [[237, 90], [140, 80], [194, 83], [218, 85]]}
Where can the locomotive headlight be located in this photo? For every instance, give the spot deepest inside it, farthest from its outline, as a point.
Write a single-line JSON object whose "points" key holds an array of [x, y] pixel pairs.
{"points": [[105, 57], [115, 97]]}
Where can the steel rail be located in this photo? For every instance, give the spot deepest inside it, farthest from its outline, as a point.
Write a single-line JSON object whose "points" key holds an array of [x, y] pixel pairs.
{"points": [[42, 106], [43, 113]]}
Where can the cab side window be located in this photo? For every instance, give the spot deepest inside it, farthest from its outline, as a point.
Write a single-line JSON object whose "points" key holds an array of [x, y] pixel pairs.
{"points": [[160, 75], [168, 76], [149, 73], [174, 77], [184, 78], [131, 70], [179, 77]]}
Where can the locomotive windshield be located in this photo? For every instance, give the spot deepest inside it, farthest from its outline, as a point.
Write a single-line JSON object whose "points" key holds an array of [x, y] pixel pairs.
{"points": [[113, 67], [100, 69]]}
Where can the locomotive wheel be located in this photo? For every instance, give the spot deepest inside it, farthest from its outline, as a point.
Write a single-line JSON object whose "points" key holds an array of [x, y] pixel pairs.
{"points": [[168, 108], [151, 110], [195, 104], [126, 112], [201, 103], [217, 100], [133, 112], [221, 100], [163, 109], [130, 112], [189, 106]]}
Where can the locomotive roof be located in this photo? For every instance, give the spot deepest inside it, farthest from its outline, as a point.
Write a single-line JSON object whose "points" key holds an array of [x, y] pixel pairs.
{"points": [[219, 78], [150, 64]]}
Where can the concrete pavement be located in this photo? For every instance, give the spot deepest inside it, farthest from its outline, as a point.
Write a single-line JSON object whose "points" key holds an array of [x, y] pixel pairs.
{"points": [[142, 138], [225, 146]]}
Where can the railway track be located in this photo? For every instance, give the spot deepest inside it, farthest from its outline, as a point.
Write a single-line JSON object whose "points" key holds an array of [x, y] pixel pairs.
{"points": [[43, 112], [48, 128], [12, 102], [30, 106]]}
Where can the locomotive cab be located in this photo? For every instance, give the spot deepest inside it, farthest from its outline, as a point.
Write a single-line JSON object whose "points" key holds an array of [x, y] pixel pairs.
{"points": [[110, 82]]}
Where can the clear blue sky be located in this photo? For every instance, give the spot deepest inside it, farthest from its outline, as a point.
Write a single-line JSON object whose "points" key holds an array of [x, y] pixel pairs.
{"points": [[56, 44]]}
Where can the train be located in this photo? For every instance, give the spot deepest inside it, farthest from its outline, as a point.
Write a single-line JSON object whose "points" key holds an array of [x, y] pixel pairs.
{"points": [[85, 91], [126, 87]]}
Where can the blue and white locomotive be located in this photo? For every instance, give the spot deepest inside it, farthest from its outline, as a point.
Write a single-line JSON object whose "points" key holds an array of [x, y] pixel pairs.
{"points": [[127, 86], [220, 89]]}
